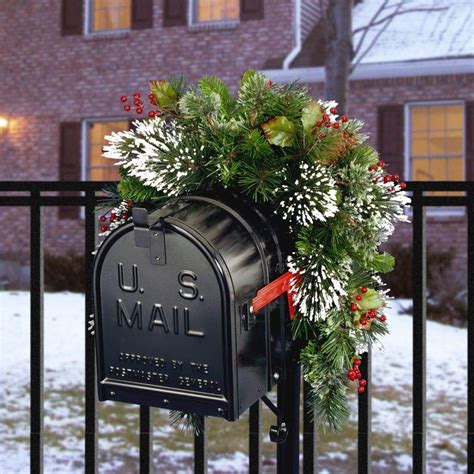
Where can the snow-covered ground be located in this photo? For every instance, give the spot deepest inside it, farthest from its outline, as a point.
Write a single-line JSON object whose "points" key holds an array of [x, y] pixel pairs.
{"points": [[118, 423]]}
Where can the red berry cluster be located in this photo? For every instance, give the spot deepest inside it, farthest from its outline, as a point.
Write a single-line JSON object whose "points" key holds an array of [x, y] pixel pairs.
{"points": [[380, 164], [355, 374], [388, 177], [368, 315], [326, 122], [139, 104], [110, 217], [358, 297]]}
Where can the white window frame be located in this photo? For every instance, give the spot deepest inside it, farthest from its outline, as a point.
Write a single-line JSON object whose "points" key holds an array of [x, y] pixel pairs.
{"points": [[85, 146], [89, 18], [85, 140], [192, 20], [433, 211]]}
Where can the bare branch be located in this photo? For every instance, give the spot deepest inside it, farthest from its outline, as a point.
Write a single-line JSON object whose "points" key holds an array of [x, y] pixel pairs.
{"points": [[411, 10], [377, 36], [385, 21], [373, 19]]}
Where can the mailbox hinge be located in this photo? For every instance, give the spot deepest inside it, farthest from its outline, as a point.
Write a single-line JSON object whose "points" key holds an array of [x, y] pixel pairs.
{"points": [[149, 236]]}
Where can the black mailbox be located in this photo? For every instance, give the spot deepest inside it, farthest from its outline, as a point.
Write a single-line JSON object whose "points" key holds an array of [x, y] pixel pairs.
{"points": [[174, 323]]}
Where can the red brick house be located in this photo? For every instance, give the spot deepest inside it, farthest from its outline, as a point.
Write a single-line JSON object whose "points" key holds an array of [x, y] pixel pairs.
{"points": [[65, 64], [412, 85]]}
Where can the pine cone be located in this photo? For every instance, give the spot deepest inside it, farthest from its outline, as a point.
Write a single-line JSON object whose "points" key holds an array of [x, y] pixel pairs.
{"points": [[347, 142], [337, 145]]}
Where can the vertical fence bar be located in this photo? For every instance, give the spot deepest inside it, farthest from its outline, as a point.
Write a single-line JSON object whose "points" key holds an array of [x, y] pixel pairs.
{"points": [[36, 334], [255, 438], [289, 393], [419, 334], [200, 448], [470, 329], [91, 445], [146, 440], [365, 417], [309, 434]]}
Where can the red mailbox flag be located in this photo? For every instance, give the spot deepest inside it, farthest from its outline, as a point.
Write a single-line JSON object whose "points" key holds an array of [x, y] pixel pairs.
{"points": [[273, 290]]}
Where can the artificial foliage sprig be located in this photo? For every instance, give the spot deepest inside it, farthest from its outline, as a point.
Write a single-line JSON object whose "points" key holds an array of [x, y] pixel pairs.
{"points": [[279, 146]]}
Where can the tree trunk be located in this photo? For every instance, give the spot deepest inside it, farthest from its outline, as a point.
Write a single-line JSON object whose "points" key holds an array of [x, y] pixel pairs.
{"points": [[338, 52]]}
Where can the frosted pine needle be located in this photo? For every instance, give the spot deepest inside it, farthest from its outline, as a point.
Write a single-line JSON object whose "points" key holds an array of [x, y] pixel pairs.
{"points": [[311, 198]]}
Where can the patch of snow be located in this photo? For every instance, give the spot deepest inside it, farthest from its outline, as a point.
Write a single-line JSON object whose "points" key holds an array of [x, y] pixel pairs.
{"points": [[118, 426]]}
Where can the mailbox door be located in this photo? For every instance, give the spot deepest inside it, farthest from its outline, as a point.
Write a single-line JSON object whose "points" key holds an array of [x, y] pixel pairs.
{"points": [[162, 323], [245, 241]]}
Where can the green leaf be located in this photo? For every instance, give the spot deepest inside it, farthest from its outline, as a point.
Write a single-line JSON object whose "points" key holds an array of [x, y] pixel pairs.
{"points": [[164, 94], [311, 114], [382, 262], [370, 300], [279, 131]]}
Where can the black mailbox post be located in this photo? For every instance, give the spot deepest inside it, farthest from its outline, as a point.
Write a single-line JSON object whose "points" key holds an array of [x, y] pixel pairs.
{"points": [[173, 294]]}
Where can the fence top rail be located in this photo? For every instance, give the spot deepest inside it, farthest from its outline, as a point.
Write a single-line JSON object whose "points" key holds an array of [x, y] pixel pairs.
{"points": [[44, 186], [440, 186], [99, 185]]}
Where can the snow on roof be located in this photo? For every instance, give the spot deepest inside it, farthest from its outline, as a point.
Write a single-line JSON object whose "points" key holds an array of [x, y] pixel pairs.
{"points": [[311, 12], [446, 32]]}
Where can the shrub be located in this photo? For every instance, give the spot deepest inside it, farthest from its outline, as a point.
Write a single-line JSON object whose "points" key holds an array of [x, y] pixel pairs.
{"points": [[445, 285], [64, 273]]}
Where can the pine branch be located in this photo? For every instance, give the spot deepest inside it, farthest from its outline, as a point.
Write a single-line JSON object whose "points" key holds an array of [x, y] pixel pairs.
{"points": [[189, 422], [131, 188], [112, 198], [276, 145], [327, 400], [210, 85], [260, 180]]}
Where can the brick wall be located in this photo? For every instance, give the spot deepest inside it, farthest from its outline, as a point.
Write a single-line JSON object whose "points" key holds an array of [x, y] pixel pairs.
{"points": [[48, 78]]}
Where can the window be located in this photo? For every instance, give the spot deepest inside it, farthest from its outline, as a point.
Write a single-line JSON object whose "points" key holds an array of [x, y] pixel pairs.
{"points": [[436, 141], [98, 168], [206, 11], [106, 15]]}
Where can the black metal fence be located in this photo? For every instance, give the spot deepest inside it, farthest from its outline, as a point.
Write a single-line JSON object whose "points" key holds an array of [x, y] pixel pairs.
{"points": [[85, 196]]}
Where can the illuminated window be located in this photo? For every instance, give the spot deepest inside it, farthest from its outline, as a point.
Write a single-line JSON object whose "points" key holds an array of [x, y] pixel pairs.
{"points": [[215, 10], [436, 142], [105, 15], [99, 168]]}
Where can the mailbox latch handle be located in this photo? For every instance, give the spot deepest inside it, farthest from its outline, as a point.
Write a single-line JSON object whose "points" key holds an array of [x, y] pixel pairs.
{"points": [[149, 236]]}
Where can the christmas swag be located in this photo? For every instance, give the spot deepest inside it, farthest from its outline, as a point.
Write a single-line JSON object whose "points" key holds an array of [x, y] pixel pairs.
{"points": [[277, 145]]}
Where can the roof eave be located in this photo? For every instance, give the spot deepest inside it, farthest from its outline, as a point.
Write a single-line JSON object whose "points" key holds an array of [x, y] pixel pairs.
{"points": [[430, 67]]}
